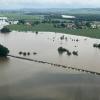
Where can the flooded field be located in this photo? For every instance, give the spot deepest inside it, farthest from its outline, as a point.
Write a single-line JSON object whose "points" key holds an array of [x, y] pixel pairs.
{"points": [[20, 79]]}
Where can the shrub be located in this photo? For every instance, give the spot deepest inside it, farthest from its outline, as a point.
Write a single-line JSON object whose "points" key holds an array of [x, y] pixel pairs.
{"points": [[5, 30], [3, 51], [75, 53], [96, 45]]}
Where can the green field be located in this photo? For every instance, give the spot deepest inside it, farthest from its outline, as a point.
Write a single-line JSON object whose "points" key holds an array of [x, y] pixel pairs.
{"points": [[19, 16], [94, 33]]}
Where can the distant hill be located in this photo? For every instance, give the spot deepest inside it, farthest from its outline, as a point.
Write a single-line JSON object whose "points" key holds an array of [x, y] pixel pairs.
{"points": [[65, 10], [56, 10]]}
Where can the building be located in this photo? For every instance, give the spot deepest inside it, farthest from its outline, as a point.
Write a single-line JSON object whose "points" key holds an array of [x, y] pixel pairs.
{"points": [[13, 22], [70, 26], [97, 23], [93, 26], [4, 21], [68, 17], [3, 18]]}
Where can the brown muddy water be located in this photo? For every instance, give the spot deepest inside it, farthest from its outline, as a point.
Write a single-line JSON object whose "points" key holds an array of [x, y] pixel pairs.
{"points": [[25, 80]]}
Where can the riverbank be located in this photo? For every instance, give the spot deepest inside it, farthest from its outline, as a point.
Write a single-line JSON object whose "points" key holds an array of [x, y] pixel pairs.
{"points": [[94, 33]]}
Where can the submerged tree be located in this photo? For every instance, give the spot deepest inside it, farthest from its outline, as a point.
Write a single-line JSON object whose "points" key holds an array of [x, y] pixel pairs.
{"points": [[22, 21], [88, 24], [96, 45], [75, 53], [3, 51], [5, 30], [61, 50]]}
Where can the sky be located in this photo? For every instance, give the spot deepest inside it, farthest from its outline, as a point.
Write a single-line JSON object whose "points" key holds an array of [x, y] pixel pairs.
{"points": [[13, 4]]}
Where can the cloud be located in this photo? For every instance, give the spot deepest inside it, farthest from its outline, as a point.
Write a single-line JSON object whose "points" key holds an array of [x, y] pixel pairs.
{"points": [[49, 3]]}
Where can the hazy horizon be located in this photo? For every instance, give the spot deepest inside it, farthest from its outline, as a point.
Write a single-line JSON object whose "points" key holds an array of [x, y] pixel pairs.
{"points": [[18, 4]]}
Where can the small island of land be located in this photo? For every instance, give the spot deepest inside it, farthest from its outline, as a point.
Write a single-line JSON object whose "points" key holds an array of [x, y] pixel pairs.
{"points": [[5, 30], [3, 51]]}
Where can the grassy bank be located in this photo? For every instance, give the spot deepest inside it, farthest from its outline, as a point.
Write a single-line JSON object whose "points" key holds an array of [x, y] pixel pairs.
{"points": [[95, 33], [19, 16]]}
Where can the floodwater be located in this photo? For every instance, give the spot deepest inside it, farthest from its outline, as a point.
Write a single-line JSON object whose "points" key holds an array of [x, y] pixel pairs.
{"points": [[25, 80]]}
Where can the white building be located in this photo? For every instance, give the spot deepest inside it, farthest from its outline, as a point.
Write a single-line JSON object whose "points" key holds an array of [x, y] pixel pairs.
{"points": [[3, 22], [3, 18], [93, 26], [68, 17], [13, 22]]}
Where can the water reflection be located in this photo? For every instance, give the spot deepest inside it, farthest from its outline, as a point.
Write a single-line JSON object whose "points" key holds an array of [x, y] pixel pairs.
{"points": [[61, 50], [4, 60]]}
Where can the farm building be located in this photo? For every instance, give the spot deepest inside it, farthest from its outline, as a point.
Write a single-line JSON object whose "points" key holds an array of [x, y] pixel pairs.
{"points": [[68, 17], [3, 21]]}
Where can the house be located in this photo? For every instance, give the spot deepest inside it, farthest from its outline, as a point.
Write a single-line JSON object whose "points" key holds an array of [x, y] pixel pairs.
{"points": [[93, 26], [70, 26], [28, 23], [4, 21], [97, 23], [13, 22]]}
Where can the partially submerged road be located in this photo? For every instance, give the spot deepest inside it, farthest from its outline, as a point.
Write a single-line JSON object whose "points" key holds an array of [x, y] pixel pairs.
{"points": [[57, 65]]}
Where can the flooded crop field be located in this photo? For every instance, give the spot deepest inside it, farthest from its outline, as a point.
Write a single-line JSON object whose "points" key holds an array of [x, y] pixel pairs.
{"points": [[26, 80]]}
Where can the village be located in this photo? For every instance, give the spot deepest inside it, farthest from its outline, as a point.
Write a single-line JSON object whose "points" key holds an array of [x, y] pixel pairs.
{"points": [[65, 21]]}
